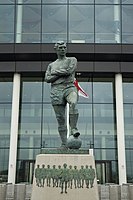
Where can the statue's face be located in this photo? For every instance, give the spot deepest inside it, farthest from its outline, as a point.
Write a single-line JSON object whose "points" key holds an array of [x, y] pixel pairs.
{"points": [[61, 50]]}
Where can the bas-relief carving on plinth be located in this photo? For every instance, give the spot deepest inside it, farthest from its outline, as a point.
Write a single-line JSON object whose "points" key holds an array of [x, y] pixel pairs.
{"points": [[65, 177]]}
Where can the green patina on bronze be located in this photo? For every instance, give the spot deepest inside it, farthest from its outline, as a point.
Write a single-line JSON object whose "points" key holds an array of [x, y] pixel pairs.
{"points": [[61, 75], [65, 177], [63, 151]]}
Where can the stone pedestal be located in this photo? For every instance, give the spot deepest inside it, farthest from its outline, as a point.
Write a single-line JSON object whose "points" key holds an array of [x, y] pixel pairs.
{"points": [[65, 176]]}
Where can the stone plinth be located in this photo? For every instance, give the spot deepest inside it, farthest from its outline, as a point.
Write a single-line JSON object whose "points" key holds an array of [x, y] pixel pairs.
{"points": [[65, 176]]}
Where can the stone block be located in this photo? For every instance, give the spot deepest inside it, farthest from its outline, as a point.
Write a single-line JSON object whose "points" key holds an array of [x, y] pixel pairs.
{"points": [[10, 192], [114, 192], [124, 192], [2, 191], [65, 176], [104, 192], [28, 192], [19, 191], [131, 192]]}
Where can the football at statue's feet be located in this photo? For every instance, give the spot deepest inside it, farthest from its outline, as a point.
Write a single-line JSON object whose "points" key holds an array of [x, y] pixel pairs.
{"points": [[74, 142]]}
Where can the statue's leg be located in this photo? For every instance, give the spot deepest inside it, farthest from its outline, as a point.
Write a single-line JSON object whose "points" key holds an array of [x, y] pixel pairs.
{"points": [[72, 99], [62, 129]]}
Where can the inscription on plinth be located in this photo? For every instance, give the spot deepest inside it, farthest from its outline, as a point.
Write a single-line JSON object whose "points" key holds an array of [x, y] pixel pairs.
{"points": [[65, 176]]}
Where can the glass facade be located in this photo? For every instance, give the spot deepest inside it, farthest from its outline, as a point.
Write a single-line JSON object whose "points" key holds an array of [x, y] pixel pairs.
{"points": [[5, 122], [74, 21], [128, 114], [38, 126]]}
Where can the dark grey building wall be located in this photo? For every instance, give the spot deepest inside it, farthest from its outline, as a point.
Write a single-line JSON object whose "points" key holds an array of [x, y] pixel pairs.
{"points": [[112, 58]]}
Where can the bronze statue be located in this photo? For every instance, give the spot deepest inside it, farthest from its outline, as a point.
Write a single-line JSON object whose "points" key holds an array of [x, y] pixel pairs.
{"points": [[61, 75]]}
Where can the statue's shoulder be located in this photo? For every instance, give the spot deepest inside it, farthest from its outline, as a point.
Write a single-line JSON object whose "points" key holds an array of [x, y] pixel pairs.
{"points": [[72, 59], [52, 63]]}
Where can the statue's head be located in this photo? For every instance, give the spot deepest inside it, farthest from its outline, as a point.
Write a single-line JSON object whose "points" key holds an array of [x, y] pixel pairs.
{"points": [[64, 165], [60, 48], [59, 43]]}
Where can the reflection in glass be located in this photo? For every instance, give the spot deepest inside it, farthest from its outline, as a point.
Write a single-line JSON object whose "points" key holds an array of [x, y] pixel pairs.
{"points": [[46, 92], [4, 156], [54, 1], [28, 23], [127, 2], [103, 90], [7, 1], [107, 1], [81, 28], [127, 25], [127, 88], [5, 111], [128, 120], [128, 126], [81, 1], [30, 125], [129, 166], [104, 126], [54, 23], [85, 125], [50, 137], [31, 90], [28, 1], [5, 124], [107, 24], [6, 23], [6, 88]]}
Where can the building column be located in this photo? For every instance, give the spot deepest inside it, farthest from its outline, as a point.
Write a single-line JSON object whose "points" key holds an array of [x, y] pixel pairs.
{"points": [[14, 129], [120, 129], [117, 21]]}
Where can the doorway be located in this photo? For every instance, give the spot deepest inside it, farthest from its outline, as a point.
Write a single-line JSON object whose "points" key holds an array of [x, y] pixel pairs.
{"points": [[26, 171], [104, 171]]}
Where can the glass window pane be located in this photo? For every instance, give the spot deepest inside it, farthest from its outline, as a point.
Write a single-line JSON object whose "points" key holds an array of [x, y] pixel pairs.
{"points": [[6, 23], [81, 1], [107, 1], [105, 154], [81, 20], [5, 124], [128, 126], [104, 126], [128, 111], [30, 125], [129, 166], [127, 25], [54, 23], [31, 90], [27, 154], [28, 1], [107, 24], [127, 88], [4, 157], [7, 1], [54, 1], [103, 90], [46, 92], [28, 23], [6, 88], [50, 137], [127, 2], [84, 125]]}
